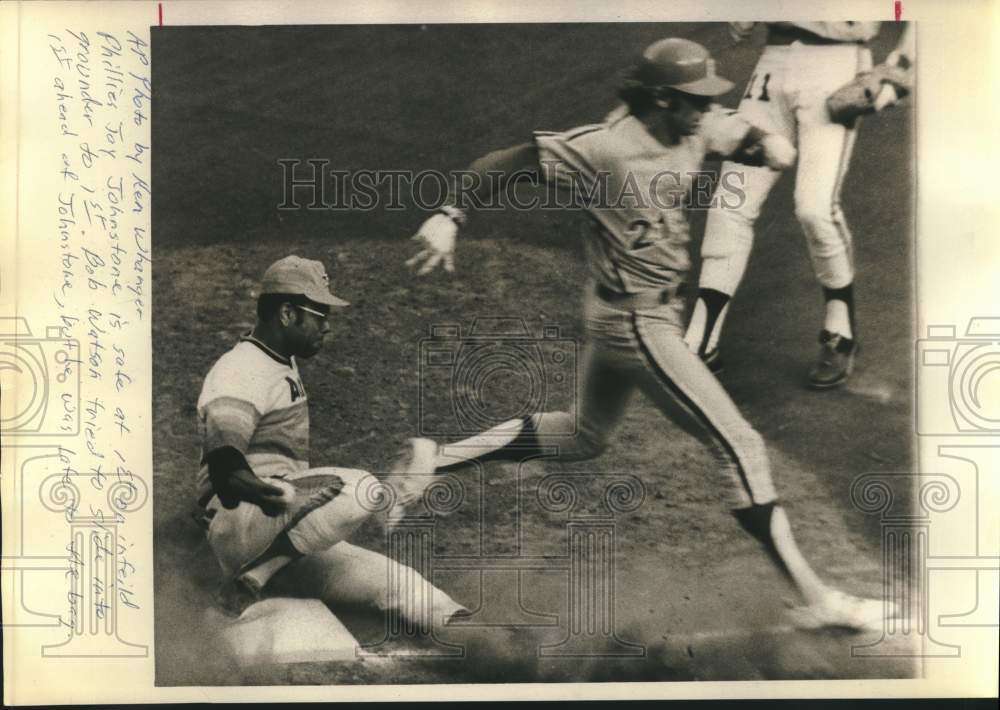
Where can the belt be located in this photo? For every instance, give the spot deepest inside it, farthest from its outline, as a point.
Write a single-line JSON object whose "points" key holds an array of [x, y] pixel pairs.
{"points": [[784, 35], [639, 301]]}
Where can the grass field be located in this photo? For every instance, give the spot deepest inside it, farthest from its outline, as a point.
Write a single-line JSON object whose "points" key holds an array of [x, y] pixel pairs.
{"points": [[230, 102]]}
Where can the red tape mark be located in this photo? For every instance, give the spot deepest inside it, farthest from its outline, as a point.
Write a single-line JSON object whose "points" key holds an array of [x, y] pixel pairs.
{"points": [[898, 8], [159, 6]]}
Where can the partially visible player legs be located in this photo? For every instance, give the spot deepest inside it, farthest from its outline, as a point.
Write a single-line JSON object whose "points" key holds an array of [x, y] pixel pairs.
{"points": [[601, 400], [729, 229], [824, 155], [346, 574], [252, 547], [686, 392], [725, 252]]}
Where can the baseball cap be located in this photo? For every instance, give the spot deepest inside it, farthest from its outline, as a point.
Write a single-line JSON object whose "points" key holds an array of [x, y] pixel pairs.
{"points": [[298, 276], [680, 64]]}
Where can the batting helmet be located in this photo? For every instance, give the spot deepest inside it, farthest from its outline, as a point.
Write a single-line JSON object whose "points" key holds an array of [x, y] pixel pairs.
{"points": [[679, 64]]}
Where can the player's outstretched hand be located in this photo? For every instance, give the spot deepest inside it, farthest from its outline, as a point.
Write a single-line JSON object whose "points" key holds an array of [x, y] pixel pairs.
{"points": [[779, 153], [437, 245], [739, 31]]}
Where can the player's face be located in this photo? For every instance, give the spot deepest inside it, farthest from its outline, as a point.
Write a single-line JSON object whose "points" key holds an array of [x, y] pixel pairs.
{"points": [[683, 116], [308, 331]]}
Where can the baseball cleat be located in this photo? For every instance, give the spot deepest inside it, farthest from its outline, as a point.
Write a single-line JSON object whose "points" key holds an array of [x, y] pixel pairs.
{"points": [[411, 474], [461, 616], [840, 610], [237, 595], [836, 361], [713, 360]]}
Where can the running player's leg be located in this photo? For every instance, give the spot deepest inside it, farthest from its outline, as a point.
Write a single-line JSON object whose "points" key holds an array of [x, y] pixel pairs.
{"points": [[686, 392], [346, 574], [729, 228], [602, 397]]}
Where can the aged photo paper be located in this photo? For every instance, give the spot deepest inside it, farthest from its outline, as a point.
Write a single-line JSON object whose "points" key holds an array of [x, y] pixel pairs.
{"points": [[380, 351]]}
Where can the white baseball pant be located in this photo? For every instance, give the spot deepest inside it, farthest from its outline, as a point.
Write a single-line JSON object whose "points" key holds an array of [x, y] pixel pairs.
{"points": [[787, 95], [331, 569]]}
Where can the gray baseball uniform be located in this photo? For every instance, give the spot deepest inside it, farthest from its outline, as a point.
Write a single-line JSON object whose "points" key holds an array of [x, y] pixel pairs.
{"points": [[637, 255]]}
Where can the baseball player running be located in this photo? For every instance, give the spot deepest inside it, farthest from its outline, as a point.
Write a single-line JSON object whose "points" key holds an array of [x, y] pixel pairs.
{"points": [[802, 64], [637, 256], [269, 511]]}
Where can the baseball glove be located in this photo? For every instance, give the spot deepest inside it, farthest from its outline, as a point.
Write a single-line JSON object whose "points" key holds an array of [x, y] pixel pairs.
{"points": [[860, 96], [310, 493]]}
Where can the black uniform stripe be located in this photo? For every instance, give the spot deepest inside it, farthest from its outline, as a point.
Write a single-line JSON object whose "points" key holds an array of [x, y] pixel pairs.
{"points": [[695, 410], [846, 149]]}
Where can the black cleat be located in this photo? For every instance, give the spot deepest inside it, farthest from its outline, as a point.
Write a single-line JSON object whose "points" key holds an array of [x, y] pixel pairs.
{"points": [[836, 361], [459, 617]]}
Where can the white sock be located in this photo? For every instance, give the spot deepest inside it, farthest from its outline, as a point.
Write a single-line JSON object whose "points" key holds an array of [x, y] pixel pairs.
{"points": [[837, 318], [262, 573], [808, 584], [695, 335], [696, 328], [479, 444], [713, 338]]}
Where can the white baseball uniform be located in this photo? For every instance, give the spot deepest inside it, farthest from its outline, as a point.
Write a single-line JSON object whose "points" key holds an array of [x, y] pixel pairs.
{"points": [[253, 400], [802, 64]]}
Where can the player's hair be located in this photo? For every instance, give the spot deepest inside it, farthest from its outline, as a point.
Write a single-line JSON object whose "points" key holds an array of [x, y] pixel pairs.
{"points": [[635, 93], [268, 305], [638, 97], [643, 99]]}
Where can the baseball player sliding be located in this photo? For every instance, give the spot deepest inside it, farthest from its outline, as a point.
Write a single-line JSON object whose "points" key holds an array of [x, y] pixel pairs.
{"points": [[637, 256], [802, 65], [275, 523]]}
